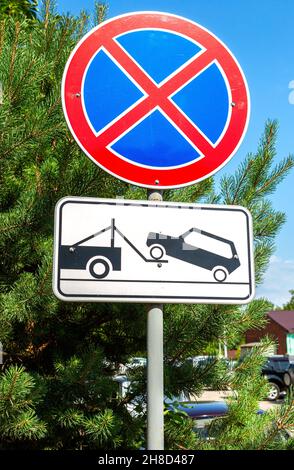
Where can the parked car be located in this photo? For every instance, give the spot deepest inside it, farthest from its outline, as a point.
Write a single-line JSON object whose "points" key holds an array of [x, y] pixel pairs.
{"points": [[136, 362], [201, 410], [202, 414], [279, 371], [206, 361], [201, 360]]}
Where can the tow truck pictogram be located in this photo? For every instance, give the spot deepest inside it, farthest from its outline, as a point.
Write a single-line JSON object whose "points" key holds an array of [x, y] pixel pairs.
{"points": [[98, 260]]}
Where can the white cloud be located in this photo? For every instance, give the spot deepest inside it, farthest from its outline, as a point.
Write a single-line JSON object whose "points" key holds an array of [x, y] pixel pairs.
{"points": [[278, 280]]}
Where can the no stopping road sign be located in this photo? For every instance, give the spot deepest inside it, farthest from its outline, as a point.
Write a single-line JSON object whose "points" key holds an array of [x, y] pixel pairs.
{"points": [[155, 99]]}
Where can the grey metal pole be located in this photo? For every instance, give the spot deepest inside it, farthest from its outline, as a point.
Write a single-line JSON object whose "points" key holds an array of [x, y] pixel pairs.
{"points": [[155, 422]]}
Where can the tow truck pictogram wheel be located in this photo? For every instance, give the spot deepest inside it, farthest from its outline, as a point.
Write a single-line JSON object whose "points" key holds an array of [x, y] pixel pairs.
{"points": [[99, 268], [157, 252], [220, 274]]}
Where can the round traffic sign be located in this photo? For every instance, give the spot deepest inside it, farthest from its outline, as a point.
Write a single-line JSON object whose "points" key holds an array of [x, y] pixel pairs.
{"points": [[155, 99]]}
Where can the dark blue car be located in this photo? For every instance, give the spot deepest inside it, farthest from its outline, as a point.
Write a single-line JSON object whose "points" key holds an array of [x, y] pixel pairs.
{"points": [[202, 410]]}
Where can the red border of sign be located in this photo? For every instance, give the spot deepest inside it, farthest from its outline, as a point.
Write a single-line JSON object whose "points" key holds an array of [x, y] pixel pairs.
{"points": [[95, 147]]}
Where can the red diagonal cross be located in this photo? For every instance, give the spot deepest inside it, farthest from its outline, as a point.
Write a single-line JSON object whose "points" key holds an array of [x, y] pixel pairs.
{"points": [[158, 96]]}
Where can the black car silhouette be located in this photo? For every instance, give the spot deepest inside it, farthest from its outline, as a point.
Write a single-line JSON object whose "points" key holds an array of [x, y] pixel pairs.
{"points": [[177, 247]]}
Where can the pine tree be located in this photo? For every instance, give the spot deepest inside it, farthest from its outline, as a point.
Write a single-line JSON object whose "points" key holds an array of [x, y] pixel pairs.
{"points": [[56, 387], [289, 305], [17, 8]]}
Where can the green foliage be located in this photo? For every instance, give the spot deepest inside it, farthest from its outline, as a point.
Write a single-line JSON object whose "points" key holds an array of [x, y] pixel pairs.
{"points": [[100, 12], [78, 394], [19, 421], [255, 179], [244, 428], [289, 305], [178, 431], [102, 428], [57, 388], [16, 8]]}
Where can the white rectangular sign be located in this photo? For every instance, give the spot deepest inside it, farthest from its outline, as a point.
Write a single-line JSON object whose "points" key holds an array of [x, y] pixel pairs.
{"points": [[116, 250]]}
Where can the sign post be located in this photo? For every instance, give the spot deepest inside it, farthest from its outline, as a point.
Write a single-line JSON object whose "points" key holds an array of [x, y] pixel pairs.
{"points": [[155, 381], [155, 390], [160, 102]]}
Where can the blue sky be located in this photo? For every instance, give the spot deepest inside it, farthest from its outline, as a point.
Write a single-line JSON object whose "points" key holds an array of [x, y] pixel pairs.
{"points": [[260, 35]]}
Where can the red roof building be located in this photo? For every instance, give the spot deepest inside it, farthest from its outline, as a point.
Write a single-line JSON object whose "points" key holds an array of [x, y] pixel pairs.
{"points": [[280, 328]]}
